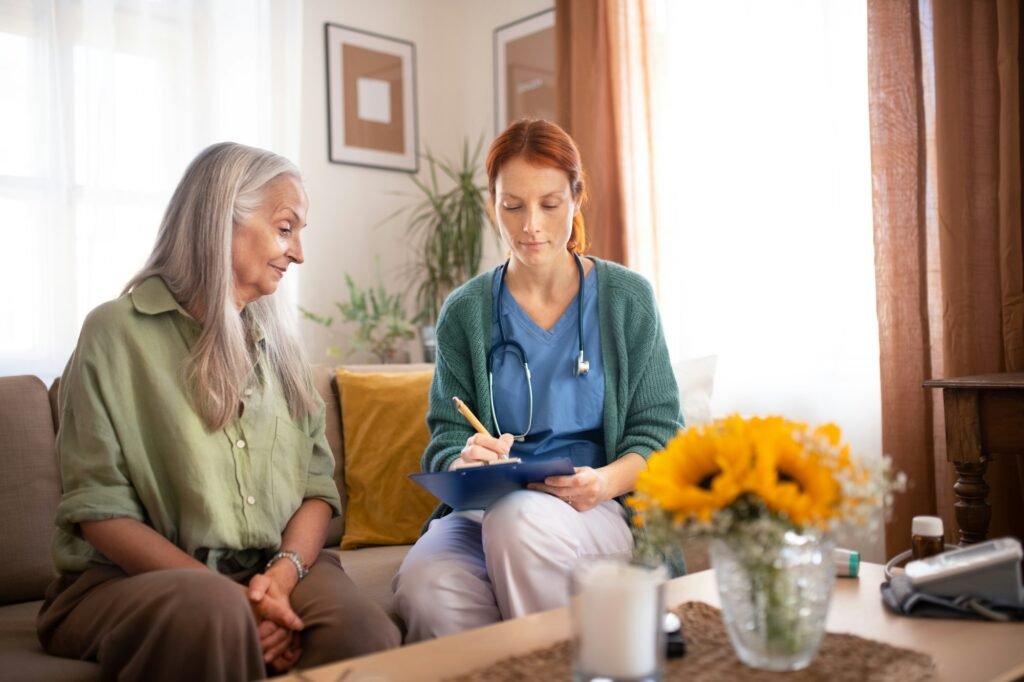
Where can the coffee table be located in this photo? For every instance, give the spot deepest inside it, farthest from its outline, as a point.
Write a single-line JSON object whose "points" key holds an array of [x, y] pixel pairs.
{"points": [[963, 650]]}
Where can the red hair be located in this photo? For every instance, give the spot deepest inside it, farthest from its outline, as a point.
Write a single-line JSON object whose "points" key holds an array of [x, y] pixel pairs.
{"points": [[542, 143]]}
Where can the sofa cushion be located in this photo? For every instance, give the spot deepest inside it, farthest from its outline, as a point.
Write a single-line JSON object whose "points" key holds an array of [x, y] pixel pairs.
{"points": [[384, 430], [696, 380], [54, 406], [22, 657], [372, 569], [323, 381], [327, 387], [29, 488]]}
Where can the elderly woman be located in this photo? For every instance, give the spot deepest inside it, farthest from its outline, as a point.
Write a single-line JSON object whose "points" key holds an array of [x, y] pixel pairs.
{"points": [[197, 476], [599, 389]]}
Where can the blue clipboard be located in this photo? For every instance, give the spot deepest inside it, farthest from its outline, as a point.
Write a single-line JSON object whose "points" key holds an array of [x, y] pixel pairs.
{"points": [[478, 487]]}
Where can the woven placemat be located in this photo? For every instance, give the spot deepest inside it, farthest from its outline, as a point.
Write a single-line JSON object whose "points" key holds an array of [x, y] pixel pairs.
{"points": [[709, 656]]}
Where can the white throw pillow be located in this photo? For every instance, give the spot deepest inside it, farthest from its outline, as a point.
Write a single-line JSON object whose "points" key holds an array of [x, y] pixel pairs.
{"points": [[696, 379]]}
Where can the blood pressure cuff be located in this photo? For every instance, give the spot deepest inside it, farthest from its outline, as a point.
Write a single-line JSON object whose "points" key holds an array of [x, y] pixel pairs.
{"points": [[900, 596]]}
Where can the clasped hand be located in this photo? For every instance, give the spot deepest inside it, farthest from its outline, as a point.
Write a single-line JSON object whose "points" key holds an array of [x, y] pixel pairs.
{"points": [[584, 490], [278, 625]]}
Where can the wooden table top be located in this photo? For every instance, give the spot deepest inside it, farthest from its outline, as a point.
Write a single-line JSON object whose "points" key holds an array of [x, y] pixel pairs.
{"points": [[1002, 380], [963, 650]]}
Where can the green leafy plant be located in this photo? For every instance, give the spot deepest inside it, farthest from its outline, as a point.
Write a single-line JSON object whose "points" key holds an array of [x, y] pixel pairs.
{"points": [[381, 322], [448, 228]]}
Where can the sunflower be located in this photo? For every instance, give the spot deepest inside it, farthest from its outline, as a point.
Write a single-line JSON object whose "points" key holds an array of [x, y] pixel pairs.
{"points": [[754, 479], [792, 473], [699, 472]]}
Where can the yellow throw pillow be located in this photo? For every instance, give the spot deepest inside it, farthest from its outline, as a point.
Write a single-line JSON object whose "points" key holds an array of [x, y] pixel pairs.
{"points": [[384, 428]]}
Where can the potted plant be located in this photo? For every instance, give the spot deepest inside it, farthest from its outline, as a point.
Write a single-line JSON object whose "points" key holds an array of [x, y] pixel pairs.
{"points": [[381, 323], [447, 227]]}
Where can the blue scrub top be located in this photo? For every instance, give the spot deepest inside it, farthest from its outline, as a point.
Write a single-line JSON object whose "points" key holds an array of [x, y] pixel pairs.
{"points": [[567, 410]]}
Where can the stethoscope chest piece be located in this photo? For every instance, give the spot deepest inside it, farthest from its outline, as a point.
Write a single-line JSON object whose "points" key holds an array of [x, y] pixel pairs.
{"points": [[582, 367]]}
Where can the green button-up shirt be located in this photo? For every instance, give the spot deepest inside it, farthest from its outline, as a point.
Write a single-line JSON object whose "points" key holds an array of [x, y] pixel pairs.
{"points": [[131, 445]]}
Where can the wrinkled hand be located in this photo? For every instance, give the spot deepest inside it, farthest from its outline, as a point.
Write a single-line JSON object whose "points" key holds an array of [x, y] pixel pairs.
{"points": [[289, 657], [269, 601], [481, 447], [584, 490], [280, 646], [277, 623]]}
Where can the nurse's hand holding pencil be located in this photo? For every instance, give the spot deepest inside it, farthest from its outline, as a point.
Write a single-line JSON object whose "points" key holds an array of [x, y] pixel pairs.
{"points": [[481, 447]]}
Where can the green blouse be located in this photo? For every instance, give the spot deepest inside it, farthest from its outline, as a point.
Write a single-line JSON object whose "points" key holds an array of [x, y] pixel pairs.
{"points": [[132, 445]]}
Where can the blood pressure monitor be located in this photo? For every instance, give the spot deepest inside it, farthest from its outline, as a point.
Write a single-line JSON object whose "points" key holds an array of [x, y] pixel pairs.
{"points": [[991, 570]]}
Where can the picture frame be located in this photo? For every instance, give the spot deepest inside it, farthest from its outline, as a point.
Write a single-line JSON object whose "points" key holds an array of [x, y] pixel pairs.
{"points": [[524, 69], [371, 99]]}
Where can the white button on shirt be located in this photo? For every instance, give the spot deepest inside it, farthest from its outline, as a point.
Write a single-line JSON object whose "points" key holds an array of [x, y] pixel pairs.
{"points": [[251, 499], [239, 443], [248, 391]]}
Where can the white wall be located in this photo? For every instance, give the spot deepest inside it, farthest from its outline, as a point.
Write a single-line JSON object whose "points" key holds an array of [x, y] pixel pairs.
{"points": [[455, 99]]}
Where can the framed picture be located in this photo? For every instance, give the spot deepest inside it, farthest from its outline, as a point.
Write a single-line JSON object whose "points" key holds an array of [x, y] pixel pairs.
{"points": [[524, 69], [371, 99]]}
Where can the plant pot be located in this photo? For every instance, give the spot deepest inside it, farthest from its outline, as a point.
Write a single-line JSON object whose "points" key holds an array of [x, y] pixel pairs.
{"points": [[429, 342], [775, 599], [399, 356]]}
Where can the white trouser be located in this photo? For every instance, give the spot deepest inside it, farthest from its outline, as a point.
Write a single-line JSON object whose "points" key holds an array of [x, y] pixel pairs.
{"points": [[472, 568]]}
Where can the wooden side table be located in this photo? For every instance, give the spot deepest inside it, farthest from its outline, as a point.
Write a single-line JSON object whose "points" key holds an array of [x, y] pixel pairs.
{"points": [[984, 418]]}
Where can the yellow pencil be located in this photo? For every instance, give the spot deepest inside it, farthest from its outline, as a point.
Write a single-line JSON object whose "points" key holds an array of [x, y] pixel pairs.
{"points": [[468, 414]]}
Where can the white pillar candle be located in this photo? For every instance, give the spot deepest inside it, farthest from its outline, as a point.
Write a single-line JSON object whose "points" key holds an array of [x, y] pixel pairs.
{"points": [[617, 609]]}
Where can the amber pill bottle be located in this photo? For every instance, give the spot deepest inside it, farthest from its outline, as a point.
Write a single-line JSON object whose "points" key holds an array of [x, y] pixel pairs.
{"points": [[928, 539]]}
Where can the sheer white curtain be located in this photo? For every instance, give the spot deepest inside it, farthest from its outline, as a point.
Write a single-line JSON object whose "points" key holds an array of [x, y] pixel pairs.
{"points": [[105, 103], [764, 206]]}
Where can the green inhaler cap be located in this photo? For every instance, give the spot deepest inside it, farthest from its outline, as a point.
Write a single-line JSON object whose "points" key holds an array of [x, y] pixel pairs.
{"points": [[847, 562]]}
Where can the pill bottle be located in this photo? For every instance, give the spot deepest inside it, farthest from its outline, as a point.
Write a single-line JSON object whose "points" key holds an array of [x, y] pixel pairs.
{"points": [[927, 537]]}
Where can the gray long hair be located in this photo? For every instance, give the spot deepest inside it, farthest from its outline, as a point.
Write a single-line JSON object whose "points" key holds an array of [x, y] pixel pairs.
{"points": [[222, 186]]}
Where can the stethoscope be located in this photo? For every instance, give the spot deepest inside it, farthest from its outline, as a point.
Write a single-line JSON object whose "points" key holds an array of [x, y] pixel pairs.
{"points": [[580, 367]]}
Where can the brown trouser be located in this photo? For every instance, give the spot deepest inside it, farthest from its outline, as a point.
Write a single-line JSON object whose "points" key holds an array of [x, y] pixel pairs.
{"points": [[197, 625]]}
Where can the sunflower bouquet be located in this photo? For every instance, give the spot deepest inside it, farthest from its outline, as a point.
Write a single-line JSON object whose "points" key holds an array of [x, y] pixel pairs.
{"points": [[757, 478], [768, 492]]}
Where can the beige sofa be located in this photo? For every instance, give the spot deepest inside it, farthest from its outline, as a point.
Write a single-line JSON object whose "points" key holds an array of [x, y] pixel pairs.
{"points": [[30, 491]]}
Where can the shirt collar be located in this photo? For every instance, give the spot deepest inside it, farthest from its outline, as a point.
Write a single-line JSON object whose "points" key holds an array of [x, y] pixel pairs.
{"points": [[152, 297]]}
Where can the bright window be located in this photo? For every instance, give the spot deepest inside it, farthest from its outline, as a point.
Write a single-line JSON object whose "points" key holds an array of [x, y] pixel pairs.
{"points": [[105, 103], [765, 228]]}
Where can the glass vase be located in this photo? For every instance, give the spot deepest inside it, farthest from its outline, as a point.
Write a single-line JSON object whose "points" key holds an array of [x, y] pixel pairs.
{"points": [[775, 597]]}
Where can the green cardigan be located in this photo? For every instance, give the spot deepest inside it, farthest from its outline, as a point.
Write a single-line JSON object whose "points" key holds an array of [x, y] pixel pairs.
{"points": [[641, 399]]}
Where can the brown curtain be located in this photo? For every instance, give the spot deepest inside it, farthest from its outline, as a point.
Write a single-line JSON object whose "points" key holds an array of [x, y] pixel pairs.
{"points": [[946, 154], [899, 175], [588, 35]]}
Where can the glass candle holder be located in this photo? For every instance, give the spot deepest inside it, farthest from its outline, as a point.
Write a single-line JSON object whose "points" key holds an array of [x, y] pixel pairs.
{"points": [[617, 610]]}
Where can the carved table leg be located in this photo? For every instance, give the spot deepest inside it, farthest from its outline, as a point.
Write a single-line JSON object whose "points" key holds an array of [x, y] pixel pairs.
{"points": [[972, 509]]}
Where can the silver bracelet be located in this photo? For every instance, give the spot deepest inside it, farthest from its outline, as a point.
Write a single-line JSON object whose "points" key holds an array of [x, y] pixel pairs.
{"points": [[294, 558]]}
